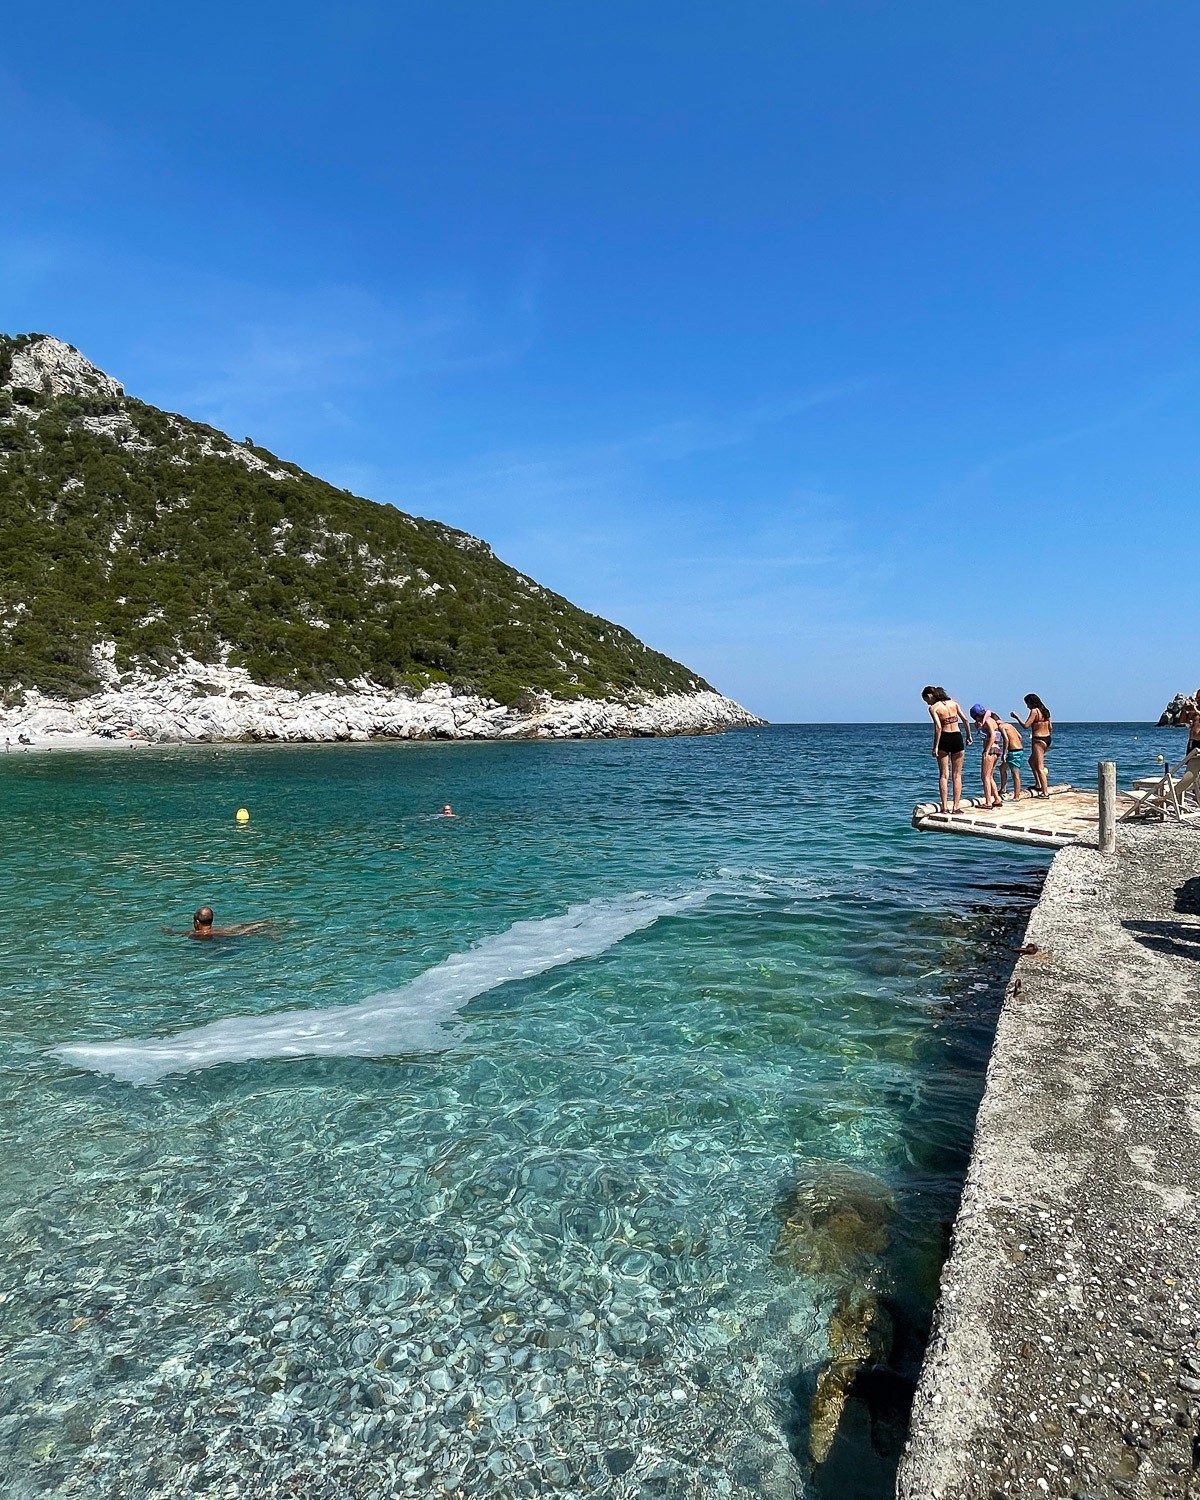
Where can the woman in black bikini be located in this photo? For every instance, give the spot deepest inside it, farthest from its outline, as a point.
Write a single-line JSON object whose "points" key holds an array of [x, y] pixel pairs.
{"points": [[1041, 737], [948, 745]]}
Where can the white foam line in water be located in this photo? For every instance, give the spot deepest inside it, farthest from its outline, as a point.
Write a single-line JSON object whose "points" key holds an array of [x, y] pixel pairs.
{"points": [[410, 1019]]}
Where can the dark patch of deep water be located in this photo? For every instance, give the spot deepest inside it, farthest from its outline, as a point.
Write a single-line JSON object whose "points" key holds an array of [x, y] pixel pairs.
{"points": [[865, 1454], [508, 1167]]}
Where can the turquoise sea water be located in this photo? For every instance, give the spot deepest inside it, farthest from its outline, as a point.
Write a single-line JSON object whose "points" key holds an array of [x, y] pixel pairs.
{"points": [[482, 1187]]}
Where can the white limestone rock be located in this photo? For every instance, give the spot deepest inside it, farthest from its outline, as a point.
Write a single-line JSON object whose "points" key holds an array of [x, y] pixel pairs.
{"points": [[48, 364], [205, 702]]}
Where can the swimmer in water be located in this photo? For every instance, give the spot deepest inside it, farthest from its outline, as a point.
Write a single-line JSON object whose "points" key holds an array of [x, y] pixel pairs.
{"points": [[202, 926], [447, 811]]}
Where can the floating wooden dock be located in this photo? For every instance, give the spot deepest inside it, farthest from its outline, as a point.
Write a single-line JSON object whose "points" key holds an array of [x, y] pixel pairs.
{"points": [[1066, 815]]}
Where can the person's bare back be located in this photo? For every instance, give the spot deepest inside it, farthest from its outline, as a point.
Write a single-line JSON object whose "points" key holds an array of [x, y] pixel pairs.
{"points": [[203, 927]]}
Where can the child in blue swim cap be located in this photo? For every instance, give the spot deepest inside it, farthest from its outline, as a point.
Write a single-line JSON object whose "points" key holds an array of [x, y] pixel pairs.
{"points": [[993, 746]]}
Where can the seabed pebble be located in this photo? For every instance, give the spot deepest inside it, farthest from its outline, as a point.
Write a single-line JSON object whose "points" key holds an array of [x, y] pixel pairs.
{"points": [[382, 1353]]}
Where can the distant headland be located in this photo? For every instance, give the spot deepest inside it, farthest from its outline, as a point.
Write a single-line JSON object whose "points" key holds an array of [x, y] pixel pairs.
{"points": [[160, 579]]}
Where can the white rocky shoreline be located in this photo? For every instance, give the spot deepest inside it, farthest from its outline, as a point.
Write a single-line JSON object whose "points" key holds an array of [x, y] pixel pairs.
{"points": [[207, 704]]}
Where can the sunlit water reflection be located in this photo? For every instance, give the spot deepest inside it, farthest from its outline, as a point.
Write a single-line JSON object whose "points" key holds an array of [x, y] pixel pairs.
{"points": [[474, 1179]]}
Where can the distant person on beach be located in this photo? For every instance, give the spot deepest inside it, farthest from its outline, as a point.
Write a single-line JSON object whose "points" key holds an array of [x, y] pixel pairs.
{"points": [[202, 926], [1191, 718], [993, 748], [1041, 737], [1012, 758], [949, 746]]}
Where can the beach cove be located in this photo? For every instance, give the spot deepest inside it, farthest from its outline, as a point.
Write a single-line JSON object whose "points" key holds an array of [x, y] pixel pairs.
{"points": [[533, 1237]]}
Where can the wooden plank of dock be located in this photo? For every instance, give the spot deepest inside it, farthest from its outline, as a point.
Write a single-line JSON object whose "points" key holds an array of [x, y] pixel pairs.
{"points": [[1063, 817]]}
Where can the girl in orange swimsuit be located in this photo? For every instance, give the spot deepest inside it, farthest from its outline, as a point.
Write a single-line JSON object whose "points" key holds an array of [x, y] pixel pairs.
{"points": [[948, 745], [1041, 737]]}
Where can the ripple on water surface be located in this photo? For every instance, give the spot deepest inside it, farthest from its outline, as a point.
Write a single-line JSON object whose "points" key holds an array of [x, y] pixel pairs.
{"points": [[516, 1227]]}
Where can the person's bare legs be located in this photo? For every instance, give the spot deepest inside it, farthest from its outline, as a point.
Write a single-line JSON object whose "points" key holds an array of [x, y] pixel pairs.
{"points": [[943, 779], [1016, 776], [957, 762], [1037, 765], [991, 797]]}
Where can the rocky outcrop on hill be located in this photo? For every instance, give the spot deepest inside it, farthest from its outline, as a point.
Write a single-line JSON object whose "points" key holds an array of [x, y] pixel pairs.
{"points": [[56, 369], [199, 703]]}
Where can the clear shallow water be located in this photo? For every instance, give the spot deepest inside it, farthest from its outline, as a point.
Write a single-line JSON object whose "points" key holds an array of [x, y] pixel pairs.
{"points": [[515, 1231]]}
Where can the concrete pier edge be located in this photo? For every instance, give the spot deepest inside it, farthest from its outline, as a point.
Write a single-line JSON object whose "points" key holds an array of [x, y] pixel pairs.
{"points": [[1065, 1354]]}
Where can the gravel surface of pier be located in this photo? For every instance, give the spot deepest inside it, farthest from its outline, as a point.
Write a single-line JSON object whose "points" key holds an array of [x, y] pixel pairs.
{"points": [[1066, 1352]]}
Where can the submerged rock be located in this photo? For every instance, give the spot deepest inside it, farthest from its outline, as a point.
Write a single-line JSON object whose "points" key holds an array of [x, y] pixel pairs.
{"points": [[836, 1226], [835, 1220], [860, 1334]]}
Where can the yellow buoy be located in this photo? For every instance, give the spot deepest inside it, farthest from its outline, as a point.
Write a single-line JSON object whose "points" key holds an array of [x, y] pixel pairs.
{"points": [[242, 815]]}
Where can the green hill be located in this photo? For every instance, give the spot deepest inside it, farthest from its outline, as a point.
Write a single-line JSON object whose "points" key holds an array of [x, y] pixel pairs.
{"points": [[123, 523]]}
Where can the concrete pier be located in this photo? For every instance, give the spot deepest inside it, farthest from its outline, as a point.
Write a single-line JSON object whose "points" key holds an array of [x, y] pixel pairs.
{"points": [[1064, 817], [1065, 1357]]}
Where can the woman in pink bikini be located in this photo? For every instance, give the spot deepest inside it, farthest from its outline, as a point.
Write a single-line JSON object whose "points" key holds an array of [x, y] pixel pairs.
{"points": [[993, 749], [948, 744]]}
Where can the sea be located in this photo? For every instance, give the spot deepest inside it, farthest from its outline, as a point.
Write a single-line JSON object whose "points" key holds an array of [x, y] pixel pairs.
{"points": [[546, 1149]]}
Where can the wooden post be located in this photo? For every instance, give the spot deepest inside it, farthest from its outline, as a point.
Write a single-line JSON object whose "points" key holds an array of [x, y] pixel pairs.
{"points": [[1107, 778]]}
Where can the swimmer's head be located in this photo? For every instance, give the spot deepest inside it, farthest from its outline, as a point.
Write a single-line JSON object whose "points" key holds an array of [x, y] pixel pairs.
{"points": [[934, 695], [202, 917], [447, 811]]}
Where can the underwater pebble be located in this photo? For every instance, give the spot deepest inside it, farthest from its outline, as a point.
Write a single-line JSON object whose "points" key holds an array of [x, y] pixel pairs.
{"points": [[499, 1350]]}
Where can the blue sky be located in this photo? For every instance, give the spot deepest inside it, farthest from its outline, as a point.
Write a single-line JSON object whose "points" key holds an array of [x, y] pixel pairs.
{"points": [[832, 346]]}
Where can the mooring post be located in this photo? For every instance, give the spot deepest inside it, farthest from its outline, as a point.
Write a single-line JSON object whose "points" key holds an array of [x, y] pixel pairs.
{"points": [[1107, 778]]}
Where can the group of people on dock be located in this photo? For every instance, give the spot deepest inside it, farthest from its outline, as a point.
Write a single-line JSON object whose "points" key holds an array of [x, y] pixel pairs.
{"points": [[1003, 747]]}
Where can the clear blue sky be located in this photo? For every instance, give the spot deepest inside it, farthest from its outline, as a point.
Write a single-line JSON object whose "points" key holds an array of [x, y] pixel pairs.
{"points": [[832, 346]]}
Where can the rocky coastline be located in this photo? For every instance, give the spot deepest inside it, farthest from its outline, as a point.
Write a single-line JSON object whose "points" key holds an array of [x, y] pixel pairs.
{"points": [[204, 704]]}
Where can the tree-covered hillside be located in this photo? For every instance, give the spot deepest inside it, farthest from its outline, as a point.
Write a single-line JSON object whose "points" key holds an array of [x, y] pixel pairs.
{"points": [[122, 523]]}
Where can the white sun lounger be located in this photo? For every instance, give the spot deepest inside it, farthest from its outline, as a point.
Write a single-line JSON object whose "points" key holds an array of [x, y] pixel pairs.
{"points": [[1174, 794]]}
